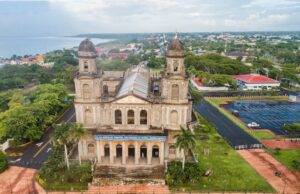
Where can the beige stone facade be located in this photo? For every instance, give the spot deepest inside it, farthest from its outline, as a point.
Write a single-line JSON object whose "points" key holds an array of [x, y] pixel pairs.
{"points": [[131, 117]]}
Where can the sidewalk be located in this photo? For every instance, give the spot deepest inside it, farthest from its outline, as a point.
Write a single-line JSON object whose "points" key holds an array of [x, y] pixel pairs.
{"points": [[266, 166]]}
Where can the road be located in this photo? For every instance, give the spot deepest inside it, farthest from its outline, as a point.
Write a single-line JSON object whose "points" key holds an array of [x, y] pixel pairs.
{"points": [[36, 153], [229, 130]]}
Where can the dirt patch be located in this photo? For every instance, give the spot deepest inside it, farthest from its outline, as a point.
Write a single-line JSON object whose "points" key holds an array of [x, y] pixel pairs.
{"points": [[280, 143], [266, 166]]}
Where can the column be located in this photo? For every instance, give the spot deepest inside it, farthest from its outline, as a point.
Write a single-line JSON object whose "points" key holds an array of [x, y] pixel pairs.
{"points": [[111, 157], [149, 153], [98, 150], [136, 153], [79, 151], [84, 148], [123, 153], [177, 153], [161, 153]]}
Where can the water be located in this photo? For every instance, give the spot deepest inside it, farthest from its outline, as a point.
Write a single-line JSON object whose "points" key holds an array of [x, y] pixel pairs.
{"points": [[38, 45], [271, 115]]}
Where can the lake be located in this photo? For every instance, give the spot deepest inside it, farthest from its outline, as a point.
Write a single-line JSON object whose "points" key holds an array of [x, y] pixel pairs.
{"points": [[38, 45]]}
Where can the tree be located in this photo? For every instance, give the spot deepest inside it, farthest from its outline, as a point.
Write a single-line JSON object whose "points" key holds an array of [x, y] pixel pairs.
{"points": [[65, 134], [185, 141]]}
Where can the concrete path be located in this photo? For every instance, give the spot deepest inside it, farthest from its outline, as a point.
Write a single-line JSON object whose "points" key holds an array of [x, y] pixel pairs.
{"points": [[266, 166]]}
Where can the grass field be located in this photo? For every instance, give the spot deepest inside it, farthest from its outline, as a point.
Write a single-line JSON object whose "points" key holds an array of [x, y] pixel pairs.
{"points": [[255, 133], [229, 171], [286, 157]]}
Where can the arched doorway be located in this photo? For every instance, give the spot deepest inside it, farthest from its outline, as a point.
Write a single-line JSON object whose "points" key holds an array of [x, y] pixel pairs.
{"points": [[155, 151], [131, 151], [119, 150], [143, 151], [106, 150]]}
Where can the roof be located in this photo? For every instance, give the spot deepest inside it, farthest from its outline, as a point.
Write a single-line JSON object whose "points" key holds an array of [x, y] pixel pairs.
{"points": [[175, 44], [135, 83], [87, 46], [254, 78], [197, 81]]}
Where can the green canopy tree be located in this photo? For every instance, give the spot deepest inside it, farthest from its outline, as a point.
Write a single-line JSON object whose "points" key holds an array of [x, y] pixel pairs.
{"points": [[65, 134], [185, 141]]}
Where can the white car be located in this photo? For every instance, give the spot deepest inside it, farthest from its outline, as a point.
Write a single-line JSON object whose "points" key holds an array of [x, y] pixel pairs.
{"points": [[253, 125]]}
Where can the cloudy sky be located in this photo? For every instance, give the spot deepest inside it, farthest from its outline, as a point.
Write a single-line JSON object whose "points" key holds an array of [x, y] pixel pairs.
{"points": [[71, 17]]}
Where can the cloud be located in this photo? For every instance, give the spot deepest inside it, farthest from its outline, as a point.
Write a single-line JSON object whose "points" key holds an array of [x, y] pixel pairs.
{"points": [[260, 19]]}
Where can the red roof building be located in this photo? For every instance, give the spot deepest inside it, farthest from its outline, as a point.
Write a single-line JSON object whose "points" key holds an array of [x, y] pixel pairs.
{"points": [[255, 82], [117, 55]]}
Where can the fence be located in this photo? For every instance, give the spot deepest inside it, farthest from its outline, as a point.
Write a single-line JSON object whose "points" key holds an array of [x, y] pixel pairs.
{"points": [[251, 146]]}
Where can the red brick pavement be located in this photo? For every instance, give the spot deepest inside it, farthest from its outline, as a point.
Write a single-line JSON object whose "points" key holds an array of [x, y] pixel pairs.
{"points": [[266, 166]]}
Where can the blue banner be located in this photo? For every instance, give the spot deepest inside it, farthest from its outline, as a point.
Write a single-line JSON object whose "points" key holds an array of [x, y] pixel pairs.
{"points": [[130, 137]]}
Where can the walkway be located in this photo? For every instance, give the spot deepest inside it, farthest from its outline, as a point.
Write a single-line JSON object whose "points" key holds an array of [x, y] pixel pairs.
{"points": [[266, 166], [229, 130], [18, 180]]}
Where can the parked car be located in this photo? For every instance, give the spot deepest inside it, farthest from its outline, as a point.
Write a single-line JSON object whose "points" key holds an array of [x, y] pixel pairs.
{"points": [[253, 125]]}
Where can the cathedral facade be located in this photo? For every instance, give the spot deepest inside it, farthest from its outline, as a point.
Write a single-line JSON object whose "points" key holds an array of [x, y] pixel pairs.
{"points": [[131, 117]]}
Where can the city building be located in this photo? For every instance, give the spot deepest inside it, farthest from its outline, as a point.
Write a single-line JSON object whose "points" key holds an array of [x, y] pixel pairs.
{"points": [[130, 118], [255, 82], [196, 82]]}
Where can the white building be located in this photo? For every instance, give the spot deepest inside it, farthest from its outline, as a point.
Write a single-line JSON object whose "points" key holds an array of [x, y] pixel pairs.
{"points": [[255, 82]]}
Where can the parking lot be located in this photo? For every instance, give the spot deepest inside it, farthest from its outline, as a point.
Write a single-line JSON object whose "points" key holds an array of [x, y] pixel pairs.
{"points": [[272, 115]]}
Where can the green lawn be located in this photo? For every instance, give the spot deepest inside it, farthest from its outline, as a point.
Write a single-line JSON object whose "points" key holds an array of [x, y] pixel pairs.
{"points": [[255, 133], [286, 157], [229, 171]]}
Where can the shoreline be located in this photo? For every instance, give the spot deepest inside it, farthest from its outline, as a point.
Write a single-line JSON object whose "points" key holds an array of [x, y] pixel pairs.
{"points": [[40, 45]]}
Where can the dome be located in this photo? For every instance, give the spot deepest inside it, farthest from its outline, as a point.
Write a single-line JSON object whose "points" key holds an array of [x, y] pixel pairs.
{"points": [[175, 48], [87, 46], [175, 44]]}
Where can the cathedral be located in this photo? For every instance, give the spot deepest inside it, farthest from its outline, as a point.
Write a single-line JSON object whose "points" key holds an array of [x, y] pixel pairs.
{"points": [[130, 117]]}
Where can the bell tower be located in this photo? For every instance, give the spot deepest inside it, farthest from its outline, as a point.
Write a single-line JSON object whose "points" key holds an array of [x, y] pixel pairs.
{"points": [[175, 57], [87, 57], [87, 81], [175, 81]]}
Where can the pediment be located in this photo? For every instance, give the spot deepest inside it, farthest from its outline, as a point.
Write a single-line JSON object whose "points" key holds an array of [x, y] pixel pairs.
{"points": [[131, 99]]}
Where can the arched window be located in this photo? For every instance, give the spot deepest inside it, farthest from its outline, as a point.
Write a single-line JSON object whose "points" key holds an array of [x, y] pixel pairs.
{"points": [[130, 117], [175, 66], [91, 148], [175, 92], [86, 91], [118, 117], [174, 117], [85, 66], [88, 117], [105, 90], [143, 117]]}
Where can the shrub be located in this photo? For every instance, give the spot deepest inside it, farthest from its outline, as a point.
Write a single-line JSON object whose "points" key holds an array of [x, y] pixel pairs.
{"points": [[3, 162], [176, 176]]}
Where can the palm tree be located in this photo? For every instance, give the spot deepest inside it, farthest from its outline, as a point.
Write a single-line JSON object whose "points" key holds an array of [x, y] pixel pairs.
{"points": [[67, 133], [185, 141]]}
